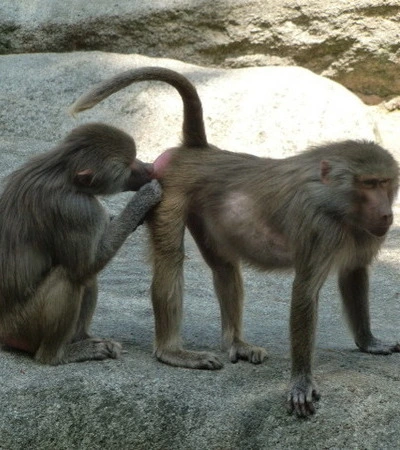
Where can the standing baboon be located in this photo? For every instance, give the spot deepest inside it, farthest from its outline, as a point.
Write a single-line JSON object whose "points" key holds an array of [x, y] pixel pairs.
{"points": [[55, 237], [327, 208]]}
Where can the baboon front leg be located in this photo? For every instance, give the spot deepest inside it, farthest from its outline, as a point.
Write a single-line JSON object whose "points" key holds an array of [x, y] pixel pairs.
{"points": [[303, 391], [354, 286], [167, 291], [229, 289]]}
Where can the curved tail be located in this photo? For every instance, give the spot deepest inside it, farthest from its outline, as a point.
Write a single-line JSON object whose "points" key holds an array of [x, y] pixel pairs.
{"points": [[194, 134]]}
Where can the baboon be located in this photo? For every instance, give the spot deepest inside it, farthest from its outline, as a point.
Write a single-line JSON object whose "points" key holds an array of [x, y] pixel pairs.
{"points": [[327, 208], [55, 237]]}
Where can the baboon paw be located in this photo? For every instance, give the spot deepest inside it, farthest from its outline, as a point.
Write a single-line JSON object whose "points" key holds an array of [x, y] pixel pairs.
{"points": [[91, 349], [248, 352], [106, 348], [302, 397], [150, 192], [377, 347], [189, 359]]}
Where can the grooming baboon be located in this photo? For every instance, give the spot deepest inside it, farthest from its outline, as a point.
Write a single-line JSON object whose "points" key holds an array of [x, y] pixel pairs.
{"points": [[327, 208], [55, 237]]}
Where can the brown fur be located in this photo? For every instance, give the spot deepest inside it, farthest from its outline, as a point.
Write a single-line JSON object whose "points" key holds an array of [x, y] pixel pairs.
{"points": [[326, 209]]}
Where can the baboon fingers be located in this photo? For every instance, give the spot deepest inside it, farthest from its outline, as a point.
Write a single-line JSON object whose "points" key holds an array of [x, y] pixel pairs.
{"points": [[150, 193], [302, 397], [300, 406]]}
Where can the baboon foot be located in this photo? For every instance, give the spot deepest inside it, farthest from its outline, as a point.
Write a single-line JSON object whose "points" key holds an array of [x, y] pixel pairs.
{"points": [[377, 347], [93, 349], [189, 359], [248, 352], [84, 350]]}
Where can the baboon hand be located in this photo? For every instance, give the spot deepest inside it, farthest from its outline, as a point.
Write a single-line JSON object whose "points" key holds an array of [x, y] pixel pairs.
{"points": [[149, 194], [302, 396]]}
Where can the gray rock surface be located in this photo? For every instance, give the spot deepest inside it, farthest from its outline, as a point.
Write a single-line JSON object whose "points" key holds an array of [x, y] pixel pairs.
{"points": [[138, 403], [356, 43]]}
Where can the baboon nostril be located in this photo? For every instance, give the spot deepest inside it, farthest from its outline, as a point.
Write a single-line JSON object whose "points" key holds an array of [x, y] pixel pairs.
{"points": [[388, 219]]}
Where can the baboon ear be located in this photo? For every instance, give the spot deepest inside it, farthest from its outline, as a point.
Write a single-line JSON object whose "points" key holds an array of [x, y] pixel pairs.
{"points": [[84, 177], [324, 168]]}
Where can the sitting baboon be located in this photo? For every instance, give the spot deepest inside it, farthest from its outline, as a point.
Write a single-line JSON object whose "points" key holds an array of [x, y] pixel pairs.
{"points": [[55, 237]]}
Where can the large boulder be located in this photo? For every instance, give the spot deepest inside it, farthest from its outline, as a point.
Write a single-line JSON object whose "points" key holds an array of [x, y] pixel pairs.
{"points": [[267, 111], [355, 43]]}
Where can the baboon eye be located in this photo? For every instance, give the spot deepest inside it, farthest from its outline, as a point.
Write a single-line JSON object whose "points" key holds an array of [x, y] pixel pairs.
{"points": [[371, 183], [384, 183], [374, 183]]}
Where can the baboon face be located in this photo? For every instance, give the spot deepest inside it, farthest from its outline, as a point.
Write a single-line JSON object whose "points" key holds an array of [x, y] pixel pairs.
{"points": [[140, 173], [102, 161], [364, 189], [373, 205]]}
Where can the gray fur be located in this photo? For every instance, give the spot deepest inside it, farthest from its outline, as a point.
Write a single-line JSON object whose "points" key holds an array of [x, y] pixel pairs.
{"points": [[55, 237]]}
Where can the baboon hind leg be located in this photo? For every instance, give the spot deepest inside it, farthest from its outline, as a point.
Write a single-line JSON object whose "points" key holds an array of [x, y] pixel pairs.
{"points": [[228, 285], [58, 304], [84, 346], [167, 233], [88, 306]]}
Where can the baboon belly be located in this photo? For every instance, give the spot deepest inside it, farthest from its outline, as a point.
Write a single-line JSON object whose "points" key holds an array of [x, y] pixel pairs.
{"points": [[244, 233], [263, 246]]}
